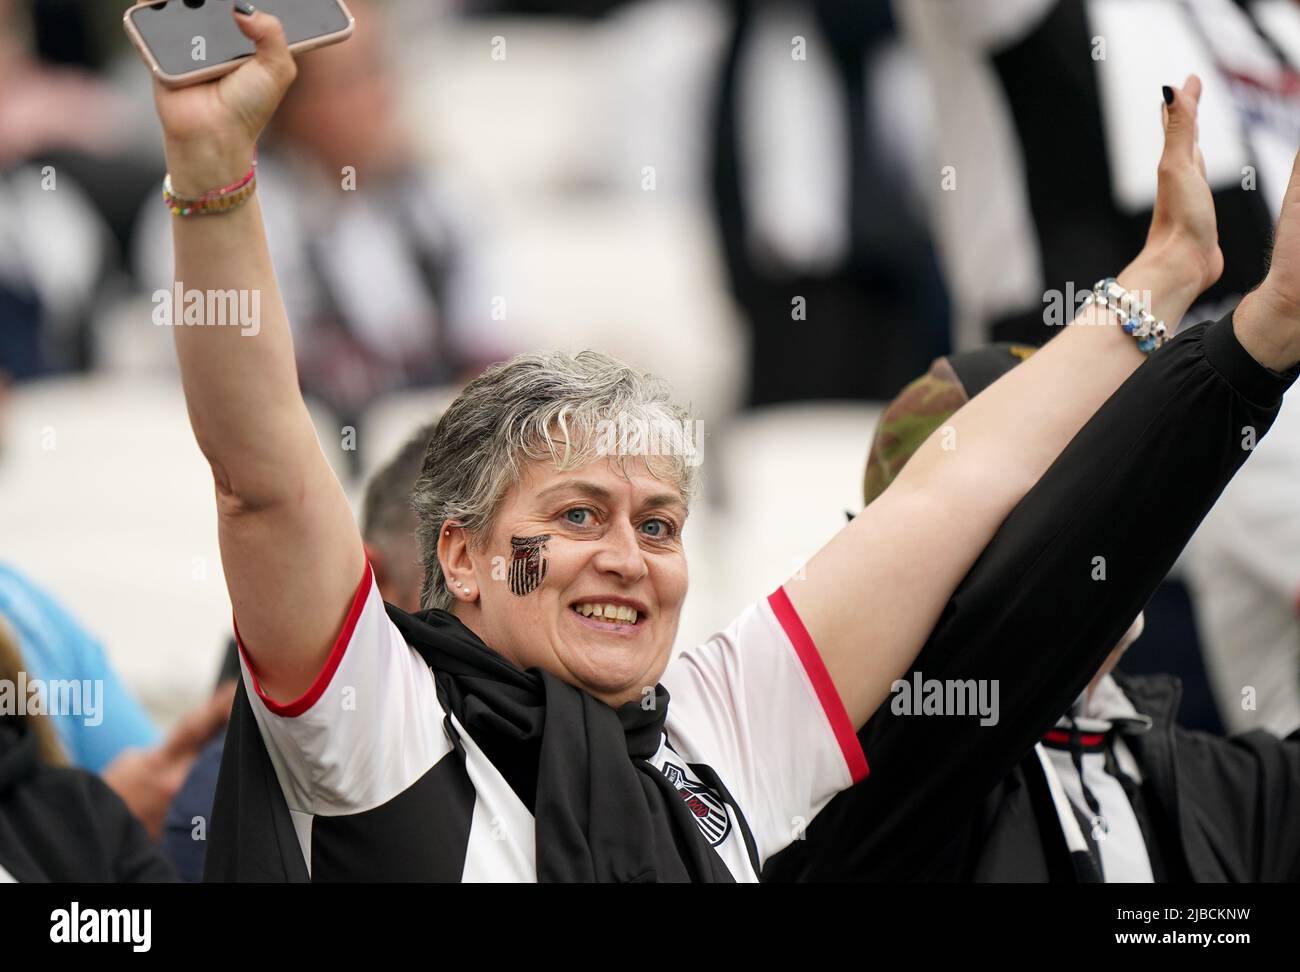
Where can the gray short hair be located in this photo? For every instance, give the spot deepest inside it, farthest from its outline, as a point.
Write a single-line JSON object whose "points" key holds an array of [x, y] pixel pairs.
{"points": [[544, 405]]}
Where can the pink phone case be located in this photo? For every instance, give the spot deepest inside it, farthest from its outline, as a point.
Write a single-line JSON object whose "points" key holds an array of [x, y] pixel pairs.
{"points": [[216, 70]]}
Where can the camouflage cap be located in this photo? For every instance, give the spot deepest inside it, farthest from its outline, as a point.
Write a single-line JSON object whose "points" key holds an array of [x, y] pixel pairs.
{"points": [[927, 403]]}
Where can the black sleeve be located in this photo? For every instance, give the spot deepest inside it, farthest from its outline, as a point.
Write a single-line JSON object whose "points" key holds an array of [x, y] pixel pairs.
{"points": [[64, 824], [1247, 789], [1048, 599], [132, 856]]}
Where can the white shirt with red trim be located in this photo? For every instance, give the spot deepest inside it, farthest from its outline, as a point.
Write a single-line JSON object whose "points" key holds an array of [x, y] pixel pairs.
{"points": [[753, 704]]}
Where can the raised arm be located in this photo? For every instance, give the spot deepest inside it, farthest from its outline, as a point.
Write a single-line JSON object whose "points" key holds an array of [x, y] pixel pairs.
{"points": [[1034, 618], [872, 595], [290, 548]]}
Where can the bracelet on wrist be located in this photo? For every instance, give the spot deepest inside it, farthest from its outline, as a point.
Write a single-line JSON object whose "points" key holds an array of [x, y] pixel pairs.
{"points": [[223, 200], [1134, 318]]}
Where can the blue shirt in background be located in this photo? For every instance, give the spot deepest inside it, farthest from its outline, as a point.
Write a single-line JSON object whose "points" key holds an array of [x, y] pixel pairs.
{"points": [[55, 647]]}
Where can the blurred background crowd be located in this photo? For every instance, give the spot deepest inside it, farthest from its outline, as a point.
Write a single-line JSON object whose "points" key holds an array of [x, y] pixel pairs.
{"points": [[788, 208]]}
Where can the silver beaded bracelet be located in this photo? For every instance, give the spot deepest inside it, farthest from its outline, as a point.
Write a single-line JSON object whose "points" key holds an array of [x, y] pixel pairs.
{"points": [[1134, 318]]}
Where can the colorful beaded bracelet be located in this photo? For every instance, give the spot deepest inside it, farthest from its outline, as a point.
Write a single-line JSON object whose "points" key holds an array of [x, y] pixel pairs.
{"points": [[217, 201], [1134, 318]]}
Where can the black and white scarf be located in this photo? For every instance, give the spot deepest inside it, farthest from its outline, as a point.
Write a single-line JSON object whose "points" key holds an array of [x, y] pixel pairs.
{"points": [[602, 811]]}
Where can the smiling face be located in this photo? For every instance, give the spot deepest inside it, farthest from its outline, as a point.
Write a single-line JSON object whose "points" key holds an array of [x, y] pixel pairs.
{"points": [[568, 550]]}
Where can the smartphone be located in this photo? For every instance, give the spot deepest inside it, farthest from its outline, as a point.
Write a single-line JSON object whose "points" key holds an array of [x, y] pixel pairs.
{"points": [[188, 41]]}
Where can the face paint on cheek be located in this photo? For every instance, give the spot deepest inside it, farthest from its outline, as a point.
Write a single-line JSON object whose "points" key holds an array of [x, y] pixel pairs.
{"points": [[527, 563]]}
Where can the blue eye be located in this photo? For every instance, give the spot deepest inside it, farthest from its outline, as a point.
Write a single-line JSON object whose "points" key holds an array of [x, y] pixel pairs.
{"points": [[581, 510], [665, 530]]}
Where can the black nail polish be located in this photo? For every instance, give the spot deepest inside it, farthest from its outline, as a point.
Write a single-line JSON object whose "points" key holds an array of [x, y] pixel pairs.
{"points": [[247, 9], [1168, 92]]}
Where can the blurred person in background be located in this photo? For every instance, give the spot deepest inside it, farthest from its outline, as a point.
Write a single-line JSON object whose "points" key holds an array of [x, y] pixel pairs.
{"points": [[72, 178], [867, 283], [388, 524], [373, 253], [189, 811], [59, 822], [57, 646], [1243, 567], [566, 8], [1114, 792], [1018, 85], [56, 251], [1025, 221], [121, 743]]}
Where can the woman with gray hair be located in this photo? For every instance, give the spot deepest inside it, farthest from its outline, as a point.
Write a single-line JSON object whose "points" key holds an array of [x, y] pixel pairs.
{"points": [[520, 728]]}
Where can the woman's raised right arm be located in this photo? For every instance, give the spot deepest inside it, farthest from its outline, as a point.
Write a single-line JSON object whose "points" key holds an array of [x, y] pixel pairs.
{"points": [[290, 547]]}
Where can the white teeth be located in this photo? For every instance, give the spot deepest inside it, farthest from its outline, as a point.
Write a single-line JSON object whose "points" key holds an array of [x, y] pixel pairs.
{"points": [[608, 612]]}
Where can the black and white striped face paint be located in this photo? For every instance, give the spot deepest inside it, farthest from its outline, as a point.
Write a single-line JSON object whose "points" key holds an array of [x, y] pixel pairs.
{"points": [[527, 563]]}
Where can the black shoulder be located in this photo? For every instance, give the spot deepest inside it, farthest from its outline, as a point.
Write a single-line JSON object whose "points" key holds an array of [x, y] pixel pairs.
{"points": [[76, 828]]}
